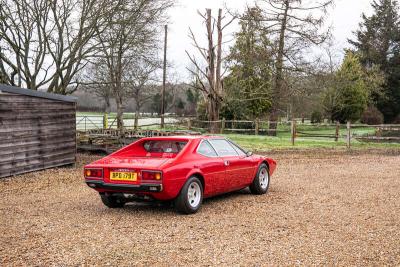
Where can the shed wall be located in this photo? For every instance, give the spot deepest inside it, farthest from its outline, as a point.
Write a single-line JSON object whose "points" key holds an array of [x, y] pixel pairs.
{"points": [[35, 133]]}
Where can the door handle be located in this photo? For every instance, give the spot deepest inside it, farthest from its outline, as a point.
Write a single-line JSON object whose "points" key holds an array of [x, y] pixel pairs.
{"points": [[226, 162]]}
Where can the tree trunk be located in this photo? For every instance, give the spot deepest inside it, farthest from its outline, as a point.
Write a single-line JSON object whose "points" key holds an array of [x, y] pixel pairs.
{"points": [[136, 118], [213, 115], [277, 94], [107, 105], [120, 113], [273, 123], [213, 93]]}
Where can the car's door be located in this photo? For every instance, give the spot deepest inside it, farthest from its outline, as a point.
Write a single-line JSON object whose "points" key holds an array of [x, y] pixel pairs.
{"points": [[213, 168], [236, 167], [247, 165]]}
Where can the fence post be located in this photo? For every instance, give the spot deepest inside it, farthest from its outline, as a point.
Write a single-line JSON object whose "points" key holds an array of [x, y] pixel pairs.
{"points": [[378, 132], [337, 131], [189, 124], [222, 125], [293, 131], [162, 121], [105, 121], [348, 134], [257, 126]]}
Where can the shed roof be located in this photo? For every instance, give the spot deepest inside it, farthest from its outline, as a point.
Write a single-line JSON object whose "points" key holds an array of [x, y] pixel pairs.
{"points": [[35, 93]]}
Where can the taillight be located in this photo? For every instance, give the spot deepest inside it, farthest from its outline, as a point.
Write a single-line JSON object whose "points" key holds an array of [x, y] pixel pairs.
{"points": [[151, 175], [93, 173]]}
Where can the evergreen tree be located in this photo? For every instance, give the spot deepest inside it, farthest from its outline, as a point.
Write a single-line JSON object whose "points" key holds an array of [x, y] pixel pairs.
{"points": [[156, 102], [192, 98], [378, 43], [179, 106], [248, 85], [348, 98]]}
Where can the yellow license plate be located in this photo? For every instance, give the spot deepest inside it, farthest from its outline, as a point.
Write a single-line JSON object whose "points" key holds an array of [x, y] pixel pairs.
{"points": [[123, 176]]}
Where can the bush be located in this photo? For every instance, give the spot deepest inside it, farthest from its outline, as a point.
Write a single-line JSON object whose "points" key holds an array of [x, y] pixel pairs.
{"points": [[316, 117], [372, 116]]}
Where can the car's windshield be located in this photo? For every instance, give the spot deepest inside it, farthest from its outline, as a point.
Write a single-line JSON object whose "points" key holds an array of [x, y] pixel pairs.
{"points": [[164, 146]]}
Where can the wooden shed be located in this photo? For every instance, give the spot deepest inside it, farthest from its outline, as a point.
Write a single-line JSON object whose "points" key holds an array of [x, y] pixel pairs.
{"points": [[37, 130]]}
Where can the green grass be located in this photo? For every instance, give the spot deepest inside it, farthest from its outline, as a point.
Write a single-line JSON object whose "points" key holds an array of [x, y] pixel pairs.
{"points": [[263, 143], [283, 139]]}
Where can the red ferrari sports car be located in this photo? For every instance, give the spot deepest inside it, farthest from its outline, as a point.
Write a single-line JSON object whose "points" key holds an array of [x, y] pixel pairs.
{"points": [[184, 169]]}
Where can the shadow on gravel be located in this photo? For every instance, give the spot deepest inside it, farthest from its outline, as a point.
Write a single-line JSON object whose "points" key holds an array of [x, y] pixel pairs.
{"points": [[158, 207], [168, 207], [226, 197]]}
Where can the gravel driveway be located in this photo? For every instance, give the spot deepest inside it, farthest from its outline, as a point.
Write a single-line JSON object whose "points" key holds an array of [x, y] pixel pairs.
{"points": [[322, 209]]}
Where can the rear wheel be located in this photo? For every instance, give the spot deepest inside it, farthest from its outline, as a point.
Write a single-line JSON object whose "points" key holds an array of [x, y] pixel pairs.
{"points": [[191, 196], [112, 201], [260, 183]]}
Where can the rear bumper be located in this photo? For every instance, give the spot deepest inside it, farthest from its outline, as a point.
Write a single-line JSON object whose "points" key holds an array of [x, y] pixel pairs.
{"points": [[95, 184]]}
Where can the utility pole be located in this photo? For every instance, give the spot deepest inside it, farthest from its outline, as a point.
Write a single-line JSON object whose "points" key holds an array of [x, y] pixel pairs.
{"points": [[164, 78]]}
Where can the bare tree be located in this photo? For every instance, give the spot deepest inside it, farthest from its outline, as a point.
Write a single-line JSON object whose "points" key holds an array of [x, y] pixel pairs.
{"points": [[95, 80], [294, 25], [140, 76], [131, 36], [44, 43], [212, 89]]}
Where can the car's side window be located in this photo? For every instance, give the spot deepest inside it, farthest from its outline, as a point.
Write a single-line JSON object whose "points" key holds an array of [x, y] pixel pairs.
{"points": [[223, 147], [206, 149], [238, 149]]}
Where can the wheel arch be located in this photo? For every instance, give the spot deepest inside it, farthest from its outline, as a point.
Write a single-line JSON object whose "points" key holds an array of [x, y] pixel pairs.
{"points": [[271, 164], [200, 177], [262, 161], [265, 162]]}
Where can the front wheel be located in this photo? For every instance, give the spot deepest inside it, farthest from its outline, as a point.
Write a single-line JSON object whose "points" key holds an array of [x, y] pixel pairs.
{"points": [[191, 196], [260, 183], [112, 201]]}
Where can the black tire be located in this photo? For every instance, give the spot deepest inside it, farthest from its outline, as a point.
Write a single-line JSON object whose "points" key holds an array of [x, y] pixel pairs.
{"points": [[182, 203], [260, 186], [112, 201]]}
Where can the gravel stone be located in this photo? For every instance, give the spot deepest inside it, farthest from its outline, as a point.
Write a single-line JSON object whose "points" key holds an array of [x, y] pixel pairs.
{"points": [[323, 208]]}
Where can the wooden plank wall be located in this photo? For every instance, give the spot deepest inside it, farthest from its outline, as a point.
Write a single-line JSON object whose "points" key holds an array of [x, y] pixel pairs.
{"points": [[35, 133]]}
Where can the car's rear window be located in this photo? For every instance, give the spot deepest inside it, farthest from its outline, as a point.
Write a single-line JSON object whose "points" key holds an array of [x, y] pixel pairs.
{"points": [[164, 146]]}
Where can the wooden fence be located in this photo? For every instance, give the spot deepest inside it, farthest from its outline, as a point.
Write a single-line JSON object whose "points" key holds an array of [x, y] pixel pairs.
{"points": [[294, 129], [97, 122]]}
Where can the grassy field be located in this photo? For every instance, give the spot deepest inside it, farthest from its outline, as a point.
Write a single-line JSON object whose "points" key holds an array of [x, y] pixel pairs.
{"points": [[283, 139], [305, 140], [264, 143]]}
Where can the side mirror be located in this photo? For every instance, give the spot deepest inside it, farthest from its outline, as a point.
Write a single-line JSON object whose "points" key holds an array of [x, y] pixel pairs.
{"points": [[249, 153]]}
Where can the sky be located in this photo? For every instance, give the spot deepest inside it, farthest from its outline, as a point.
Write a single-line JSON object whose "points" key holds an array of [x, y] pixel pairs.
{"points": [[344, 18]]}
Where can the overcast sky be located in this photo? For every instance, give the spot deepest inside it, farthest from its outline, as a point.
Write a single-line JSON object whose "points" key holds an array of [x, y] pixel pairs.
{"points": [[344, 17]]}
